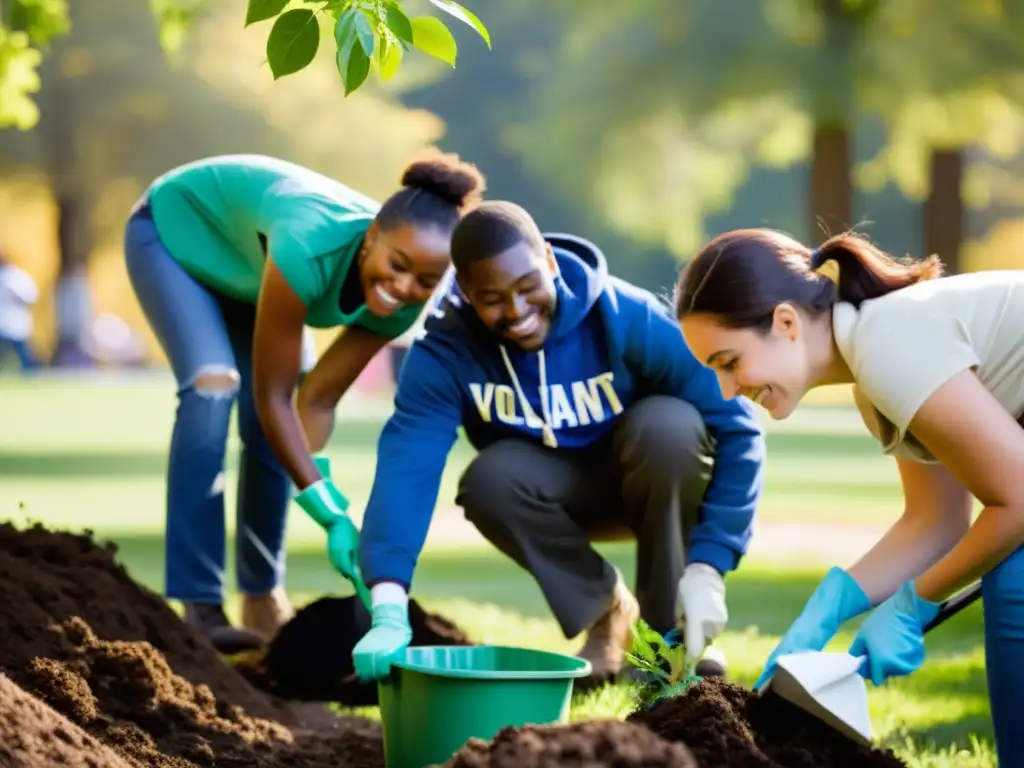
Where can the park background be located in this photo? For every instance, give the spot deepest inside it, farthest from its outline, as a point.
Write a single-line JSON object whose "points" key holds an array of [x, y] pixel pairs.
{"points": [[647, 127]]}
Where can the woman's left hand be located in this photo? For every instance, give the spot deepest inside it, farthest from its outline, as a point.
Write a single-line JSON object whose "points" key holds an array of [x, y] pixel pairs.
{"points": [[892, 636]]}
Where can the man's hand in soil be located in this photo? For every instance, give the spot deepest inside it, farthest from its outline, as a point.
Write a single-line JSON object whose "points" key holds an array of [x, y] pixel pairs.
{"points": [[389, 634], [892, 637], [701, 603], [323, 502], [837, 599]]}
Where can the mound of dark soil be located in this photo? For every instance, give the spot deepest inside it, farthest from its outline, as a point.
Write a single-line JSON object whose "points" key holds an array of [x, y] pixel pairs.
{"points": [[32, 734], [726, 726], [590, 744], [310, 659], [115, 660]]}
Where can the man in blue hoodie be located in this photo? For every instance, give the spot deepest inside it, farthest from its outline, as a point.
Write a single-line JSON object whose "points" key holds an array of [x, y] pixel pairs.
{"points": [[591, 419]]}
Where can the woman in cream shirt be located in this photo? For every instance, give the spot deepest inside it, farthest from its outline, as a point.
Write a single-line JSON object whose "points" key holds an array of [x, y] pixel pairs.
{"points": [[938, 372]]}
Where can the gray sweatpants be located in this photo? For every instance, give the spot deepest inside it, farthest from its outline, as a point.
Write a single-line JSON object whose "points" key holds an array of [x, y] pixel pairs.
{"points": [[544, 507]]}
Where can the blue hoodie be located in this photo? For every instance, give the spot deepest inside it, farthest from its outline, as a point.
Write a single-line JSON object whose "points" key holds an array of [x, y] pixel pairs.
{"points": [[611, 343]]}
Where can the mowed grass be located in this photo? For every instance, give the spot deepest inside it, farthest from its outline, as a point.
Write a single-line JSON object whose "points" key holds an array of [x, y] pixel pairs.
{"points": [[91, 454]]}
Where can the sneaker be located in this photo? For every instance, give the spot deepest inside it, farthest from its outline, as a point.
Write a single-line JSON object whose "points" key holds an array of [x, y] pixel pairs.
{"points": [[611, 636], [211, 621], [711, 663], [267, 613]]}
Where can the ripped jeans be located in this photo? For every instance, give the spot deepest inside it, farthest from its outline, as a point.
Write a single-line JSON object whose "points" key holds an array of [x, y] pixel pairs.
{"points": [[207, 338]]}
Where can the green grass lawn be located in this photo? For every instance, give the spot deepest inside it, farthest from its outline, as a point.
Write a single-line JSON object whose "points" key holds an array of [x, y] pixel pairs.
{"points": [[92, 455]]}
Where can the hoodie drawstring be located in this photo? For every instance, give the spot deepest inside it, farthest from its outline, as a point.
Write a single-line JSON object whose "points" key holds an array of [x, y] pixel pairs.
{"points": [[547, 430]]}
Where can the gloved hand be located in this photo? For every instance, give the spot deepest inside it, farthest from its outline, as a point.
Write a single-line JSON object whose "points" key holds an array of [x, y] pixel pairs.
{"points": [[892, 637], [389, 635], [837, 599], [700, 600], [323, 502]]}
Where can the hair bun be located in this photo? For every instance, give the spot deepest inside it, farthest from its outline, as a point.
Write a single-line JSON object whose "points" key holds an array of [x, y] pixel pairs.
{"points": [[447, 176]]}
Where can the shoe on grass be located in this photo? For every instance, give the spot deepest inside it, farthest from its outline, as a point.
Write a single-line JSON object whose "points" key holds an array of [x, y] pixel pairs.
{"points": [[266, 614], [209, 619]]}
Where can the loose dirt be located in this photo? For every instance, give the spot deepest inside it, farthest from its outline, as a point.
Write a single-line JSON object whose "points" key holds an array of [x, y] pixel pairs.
{"points": [[310, 659], [726, 726], [96, 670], [32, 735], [118, 663], [590, 744]]}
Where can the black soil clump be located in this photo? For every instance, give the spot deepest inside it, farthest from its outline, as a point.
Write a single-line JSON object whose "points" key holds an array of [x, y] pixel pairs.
{"points": [[726, 726], [310, 659], [589, 744]]}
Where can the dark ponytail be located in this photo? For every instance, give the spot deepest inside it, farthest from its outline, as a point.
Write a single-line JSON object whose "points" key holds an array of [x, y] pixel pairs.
{"points": [[741, 276], [867, 272]]}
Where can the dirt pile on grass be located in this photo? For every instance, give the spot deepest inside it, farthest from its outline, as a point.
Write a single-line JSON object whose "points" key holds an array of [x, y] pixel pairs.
{"points": [[590, 744], [310, 659], [726, 726], [115, 660]]}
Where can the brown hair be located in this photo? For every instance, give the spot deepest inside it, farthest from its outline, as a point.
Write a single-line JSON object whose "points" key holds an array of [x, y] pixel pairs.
{"points": [[741, 276]]}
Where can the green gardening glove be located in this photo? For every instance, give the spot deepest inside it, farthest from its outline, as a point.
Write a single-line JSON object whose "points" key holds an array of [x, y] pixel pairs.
{"points": [[323, 502], [389, 635]]}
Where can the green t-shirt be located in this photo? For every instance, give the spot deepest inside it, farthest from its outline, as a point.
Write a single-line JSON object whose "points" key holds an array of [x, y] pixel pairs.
{"points": [[222, 217]]}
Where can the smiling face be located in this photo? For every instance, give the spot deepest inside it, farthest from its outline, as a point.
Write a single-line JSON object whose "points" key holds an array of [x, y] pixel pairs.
{"points": [[402, 265], [513, 294], [772, 369]]}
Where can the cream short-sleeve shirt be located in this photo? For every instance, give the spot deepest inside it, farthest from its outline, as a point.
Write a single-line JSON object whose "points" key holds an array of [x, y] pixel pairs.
{"points": [[905, 345]]}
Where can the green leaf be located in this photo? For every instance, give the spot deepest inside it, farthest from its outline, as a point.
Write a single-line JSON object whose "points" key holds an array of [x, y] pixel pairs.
{"points": [[465, 15], [18, 78], [432, 37], [364, 32], [293, 42], [398, 23], [389, 58], [353, 59], [357, 70], [261, 10]]}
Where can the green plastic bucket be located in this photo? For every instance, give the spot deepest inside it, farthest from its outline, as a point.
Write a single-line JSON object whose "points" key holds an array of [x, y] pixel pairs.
{"points": [[438, 697]]}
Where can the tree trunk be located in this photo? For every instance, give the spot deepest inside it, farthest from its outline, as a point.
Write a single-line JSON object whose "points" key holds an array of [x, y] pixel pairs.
{"points": [[74, 200], [73, 300], [831, 187], [831, 203], [943, 211]]}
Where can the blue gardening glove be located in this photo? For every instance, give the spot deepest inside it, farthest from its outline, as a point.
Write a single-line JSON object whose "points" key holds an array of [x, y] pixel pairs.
{"points": [[837, 599], [389, 635], [323, 502], [892, 637]]}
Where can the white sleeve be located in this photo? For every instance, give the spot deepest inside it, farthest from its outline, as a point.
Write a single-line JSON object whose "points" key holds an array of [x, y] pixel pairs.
{"points": [[903, 353]]}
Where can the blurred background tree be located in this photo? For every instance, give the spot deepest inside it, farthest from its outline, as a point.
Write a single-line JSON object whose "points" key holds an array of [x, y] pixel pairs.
{"points": [[646, 126]]}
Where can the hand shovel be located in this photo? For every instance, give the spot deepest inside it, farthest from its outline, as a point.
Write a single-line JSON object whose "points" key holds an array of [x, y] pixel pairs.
{"points": [[323, 463], [828, 686]]}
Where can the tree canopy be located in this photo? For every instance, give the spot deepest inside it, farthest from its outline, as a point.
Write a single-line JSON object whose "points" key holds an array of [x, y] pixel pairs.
{"points": [[370, 35]]}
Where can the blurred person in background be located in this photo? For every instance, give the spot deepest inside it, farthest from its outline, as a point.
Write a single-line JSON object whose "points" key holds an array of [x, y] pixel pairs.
{"points": [[231, 259], [937, 367], [18, 295]]}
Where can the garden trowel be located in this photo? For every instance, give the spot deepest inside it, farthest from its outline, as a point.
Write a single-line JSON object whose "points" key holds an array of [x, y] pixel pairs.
{"points": [[323, 463], [828, 685]]}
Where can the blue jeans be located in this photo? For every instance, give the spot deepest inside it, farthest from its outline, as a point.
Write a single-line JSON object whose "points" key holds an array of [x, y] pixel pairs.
{"points": [[207, 338], [1002, 591], [21, 349]]}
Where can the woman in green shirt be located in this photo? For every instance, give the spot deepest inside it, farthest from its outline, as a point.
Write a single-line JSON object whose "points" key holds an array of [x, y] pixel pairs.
{"points": [[231, 258]]}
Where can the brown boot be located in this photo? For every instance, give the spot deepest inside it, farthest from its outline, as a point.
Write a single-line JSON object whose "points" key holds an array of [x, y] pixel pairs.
{"points": [[267, 613], [211, 621], [611, 636]]}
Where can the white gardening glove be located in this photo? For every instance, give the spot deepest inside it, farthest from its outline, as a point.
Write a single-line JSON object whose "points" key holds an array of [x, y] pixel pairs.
{"points": [[700, 602]]}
